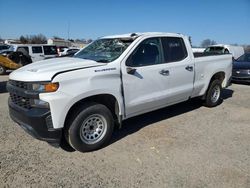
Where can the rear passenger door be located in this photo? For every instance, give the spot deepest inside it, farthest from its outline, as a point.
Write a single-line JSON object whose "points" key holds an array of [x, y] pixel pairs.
{"points": [[36, 53], [181, 68]]}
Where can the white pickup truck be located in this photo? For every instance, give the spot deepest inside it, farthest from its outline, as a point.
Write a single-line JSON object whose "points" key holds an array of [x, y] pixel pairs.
{"points": [[76, 102]]}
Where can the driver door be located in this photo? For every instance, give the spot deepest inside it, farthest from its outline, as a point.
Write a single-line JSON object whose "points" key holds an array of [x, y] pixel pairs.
{"points": [[145, 78]]}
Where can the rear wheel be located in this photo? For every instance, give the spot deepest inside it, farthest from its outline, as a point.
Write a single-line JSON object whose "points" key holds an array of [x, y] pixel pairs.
{"points": [[90, 128], [2, 70], [213, 95]]}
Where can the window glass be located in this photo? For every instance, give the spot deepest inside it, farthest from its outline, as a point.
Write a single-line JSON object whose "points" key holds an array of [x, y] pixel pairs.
{"points": [[37, 49], [174, 49], [215, 49], [49, 50], [244, 58], [147, 53], [105, 50], [4, 47]]}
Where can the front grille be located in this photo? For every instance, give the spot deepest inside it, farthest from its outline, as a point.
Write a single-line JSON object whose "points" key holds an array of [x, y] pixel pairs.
{"points": [[20, 101], [22, 85]]}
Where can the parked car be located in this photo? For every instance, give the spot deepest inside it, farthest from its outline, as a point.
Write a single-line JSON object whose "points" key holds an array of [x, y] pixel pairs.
{"points": [[236, 51], [76, 102], [5, 53], [241, 69], [198, 50], [69, 52], [5, 47], [60, 49], [37, 52]]}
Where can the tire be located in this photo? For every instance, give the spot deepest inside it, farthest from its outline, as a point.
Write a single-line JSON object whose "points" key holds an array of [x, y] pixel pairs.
{"points": [[65, 146], [90, 128], [2, 70], [213, 95]]}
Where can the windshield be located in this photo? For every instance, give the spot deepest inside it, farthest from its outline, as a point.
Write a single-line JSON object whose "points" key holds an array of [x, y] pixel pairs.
{"points": [[104, 50], [244, 58]]}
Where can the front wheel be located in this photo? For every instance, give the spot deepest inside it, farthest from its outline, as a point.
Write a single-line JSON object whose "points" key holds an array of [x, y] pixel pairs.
{"points": [[2, 70], [90, 128], [213, 95]]}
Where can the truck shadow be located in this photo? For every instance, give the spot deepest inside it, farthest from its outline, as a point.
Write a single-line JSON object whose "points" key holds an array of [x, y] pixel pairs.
{"points": [[134, 124], [3, 87]]}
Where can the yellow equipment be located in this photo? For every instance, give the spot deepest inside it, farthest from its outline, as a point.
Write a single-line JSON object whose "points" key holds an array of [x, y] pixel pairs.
{"points": [[7, 64]]}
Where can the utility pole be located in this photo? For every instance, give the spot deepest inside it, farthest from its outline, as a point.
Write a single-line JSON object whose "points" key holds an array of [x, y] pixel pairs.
{"points": [[68, 28]]}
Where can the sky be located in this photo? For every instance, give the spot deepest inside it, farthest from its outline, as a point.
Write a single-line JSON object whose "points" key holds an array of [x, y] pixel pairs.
{"points": [[225, 21]]}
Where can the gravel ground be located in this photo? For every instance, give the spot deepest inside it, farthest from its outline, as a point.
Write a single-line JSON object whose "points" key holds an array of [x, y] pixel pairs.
{"points": [[186, 145]]}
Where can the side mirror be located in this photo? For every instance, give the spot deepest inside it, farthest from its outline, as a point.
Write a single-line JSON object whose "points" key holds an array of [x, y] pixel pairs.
{"points": [[131, 70]]}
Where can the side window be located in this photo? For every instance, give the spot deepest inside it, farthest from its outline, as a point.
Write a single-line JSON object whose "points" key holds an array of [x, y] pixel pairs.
{"points": [[147, 53], [50, 50], [174, 49], [37, 50]]}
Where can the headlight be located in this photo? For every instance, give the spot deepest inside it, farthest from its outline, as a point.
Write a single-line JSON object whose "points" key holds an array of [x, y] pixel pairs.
{"points": [[45, 87], [37, 103]]}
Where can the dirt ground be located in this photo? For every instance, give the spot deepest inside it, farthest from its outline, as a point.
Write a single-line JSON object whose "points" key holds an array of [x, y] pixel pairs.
{"points": [[186, 145]]}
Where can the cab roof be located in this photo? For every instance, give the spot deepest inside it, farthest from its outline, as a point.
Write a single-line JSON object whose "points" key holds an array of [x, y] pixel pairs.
{"points": [[135, 35]]}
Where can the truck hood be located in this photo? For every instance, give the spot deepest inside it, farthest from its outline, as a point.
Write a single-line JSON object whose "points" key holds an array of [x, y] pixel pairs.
{"points": [[46, 69]]}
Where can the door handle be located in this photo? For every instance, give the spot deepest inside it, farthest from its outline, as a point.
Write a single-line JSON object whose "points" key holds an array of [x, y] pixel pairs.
{"points": [[189, 68], [164, 72]]}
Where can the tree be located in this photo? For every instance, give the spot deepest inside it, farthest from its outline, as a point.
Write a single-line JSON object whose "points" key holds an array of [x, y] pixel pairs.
{"points": [[33, 39], [24, 40], [38, 39], [207, 42]]}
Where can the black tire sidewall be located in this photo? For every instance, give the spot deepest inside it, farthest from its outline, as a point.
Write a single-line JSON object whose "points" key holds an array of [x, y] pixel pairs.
{"points": [[74, 138], [208, 101]]}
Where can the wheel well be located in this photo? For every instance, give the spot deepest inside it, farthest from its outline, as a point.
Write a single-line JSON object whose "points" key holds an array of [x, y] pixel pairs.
{"points": [[218, 76], [106, 99]]}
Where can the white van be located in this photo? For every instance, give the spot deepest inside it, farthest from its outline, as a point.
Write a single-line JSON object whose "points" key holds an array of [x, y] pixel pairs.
{"points": [[37, 52], [236, 51]]}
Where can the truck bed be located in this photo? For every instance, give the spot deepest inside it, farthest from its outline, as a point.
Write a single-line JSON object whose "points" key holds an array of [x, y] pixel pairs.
{"points": [[202, 54]]}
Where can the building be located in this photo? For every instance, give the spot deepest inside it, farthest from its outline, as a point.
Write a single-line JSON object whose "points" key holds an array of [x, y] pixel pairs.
{"points": [[59, 42], [12, 41]]}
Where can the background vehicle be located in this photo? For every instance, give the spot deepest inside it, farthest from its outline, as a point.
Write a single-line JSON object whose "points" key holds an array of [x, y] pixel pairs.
{"points": [[241, 69], [5, 47], [37, 52], [69, 51], [13, 61], [236, 51], [5, 53], [198, 50], [60, 49], [76, 102]]}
